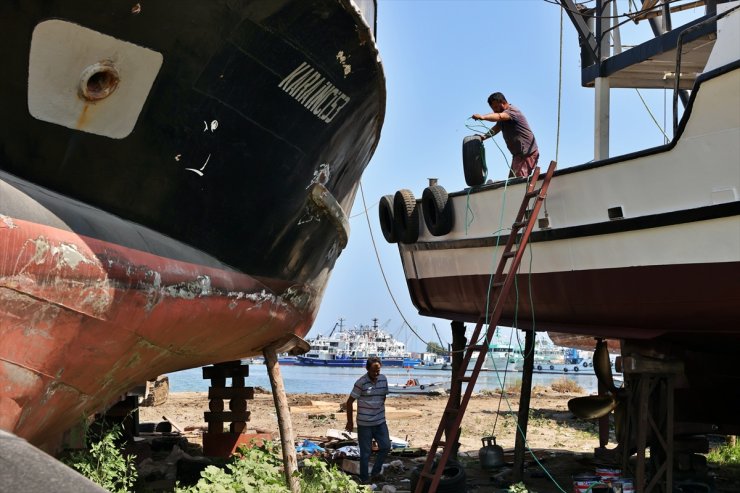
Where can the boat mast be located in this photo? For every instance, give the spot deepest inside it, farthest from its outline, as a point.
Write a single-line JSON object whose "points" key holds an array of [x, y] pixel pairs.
{"points": [[601, 83]]}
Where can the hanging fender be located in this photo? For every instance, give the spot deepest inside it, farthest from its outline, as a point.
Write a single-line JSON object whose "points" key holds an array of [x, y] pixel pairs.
{"points": [[437, 210], [406, 216], [385, 215]]}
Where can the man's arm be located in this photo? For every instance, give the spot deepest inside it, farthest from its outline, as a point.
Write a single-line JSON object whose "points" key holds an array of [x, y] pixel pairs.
{"points": [[492, 117], [350, 412]]}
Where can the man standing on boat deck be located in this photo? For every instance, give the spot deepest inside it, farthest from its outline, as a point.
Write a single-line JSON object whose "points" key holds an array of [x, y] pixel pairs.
{"points": [[517, 134], [370, 391]]}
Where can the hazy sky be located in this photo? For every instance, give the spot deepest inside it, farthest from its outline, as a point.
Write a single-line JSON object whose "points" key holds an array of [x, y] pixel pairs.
{"points": [[442, 58]]}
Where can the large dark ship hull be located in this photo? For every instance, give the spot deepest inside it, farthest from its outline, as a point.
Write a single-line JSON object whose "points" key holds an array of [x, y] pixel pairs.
{"points": [[172, 187]]}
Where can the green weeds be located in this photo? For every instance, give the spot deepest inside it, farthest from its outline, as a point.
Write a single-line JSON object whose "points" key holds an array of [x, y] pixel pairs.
{"points": [[105, 464], [259, 470]]}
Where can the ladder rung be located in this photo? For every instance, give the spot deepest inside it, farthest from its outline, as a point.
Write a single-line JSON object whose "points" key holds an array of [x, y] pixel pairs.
{"points": [[429, 475], [519, 224], [509, 254], [498, 284], [533, 193], [466, 379], [476, 347], [442, 444], [452, 410]]}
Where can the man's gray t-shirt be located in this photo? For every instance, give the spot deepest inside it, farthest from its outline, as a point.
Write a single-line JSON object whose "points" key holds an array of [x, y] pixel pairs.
{"points": [[370, 399]]}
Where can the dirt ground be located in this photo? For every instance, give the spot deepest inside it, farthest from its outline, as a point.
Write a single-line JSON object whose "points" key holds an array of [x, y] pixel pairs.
{"points": [[562, 444], [411, 418], [553, 432]]}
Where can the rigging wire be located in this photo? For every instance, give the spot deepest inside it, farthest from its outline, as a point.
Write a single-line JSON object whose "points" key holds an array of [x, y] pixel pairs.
{"points": [[364, 211], [382, 271], [665, 136]]}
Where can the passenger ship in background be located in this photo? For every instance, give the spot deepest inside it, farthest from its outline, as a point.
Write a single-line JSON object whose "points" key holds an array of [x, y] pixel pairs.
{"points": [[352, 347]]}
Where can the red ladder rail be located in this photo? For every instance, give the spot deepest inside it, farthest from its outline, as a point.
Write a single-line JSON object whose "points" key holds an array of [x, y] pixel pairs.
{"points": [[501, 286]]}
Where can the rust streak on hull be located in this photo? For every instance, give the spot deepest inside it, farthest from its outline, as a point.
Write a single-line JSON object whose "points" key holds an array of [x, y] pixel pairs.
{"points": [[112, 318]]}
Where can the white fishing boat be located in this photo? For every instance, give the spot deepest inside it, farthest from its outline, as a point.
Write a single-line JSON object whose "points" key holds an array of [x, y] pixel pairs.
{"points": [[414, 387], [641, 248]]}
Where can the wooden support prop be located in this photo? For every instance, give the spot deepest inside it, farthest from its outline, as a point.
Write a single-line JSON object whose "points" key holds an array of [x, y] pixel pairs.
{"points": [[174, 423], [458, 348], [290, 462]]}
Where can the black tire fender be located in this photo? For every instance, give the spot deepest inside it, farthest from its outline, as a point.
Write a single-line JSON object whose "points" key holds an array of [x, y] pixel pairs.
{"points": [[585, 364], [421, 387], [552, 367], [385, 215], [474, 160], [437, 208], [405, 216], [452, 480], [575, 368], [539, 367], [565, 370]]}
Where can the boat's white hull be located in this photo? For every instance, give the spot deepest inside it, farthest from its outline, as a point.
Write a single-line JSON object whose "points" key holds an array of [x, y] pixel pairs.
{"points": [[670, 261]]}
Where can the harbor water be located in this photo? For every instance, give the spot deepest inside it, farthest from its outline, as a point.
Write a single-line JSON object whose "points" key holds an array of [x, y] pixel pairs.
{"points": [[319, 380]]}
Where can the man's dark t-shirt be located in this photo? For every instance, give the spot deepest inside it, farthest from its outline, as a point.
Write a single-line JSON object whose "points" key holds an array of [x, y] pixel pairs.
{"points": [[517, 134]]}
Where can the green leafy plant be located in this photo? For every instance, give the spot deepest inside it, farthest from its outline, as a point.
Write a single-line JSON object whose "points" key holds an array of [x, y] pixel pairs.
{"points": [[250, 470], [105, 464], [259, 470], [727, 454], [318, 477], [519, 488]]}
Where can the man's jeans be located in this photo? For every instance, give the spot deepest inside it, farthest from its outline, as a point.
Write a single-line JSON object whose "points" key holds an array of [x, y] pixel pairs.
{"points": [[365, 435]]}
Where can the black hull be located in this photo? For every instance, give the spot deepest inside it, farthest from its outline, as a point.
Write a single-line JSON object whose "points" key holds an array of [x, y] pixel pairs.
{"points": [[221, 62]]}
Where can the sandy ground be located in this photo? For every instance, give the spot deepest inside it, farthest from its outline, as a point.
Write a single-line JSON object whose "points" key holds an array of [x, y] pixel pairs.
{"points": [[412, 418]]}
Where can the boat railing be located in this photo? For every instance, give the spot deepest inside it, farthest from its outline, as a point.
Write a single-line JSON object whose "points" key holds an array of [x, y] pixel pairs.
{"points": [[679, 45]]}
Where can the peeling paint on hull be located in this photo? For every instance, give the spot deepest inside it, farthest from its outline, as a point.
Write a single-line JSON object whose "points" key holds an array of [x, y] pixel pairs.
{"points": [[75, 335]]}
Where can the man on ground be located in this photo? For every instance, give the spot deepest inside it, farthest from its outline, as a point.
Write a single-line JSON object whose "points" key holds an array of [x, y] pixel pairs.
{"points": [[370, 391]]}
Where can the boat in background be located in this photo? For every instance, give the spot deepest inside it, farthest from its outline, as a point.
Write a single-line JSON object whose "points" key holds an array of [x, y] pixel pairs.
{"points": [[352, 347], [436, 363], [571, 361], [173, 187], [414, 387], [642, 248]]}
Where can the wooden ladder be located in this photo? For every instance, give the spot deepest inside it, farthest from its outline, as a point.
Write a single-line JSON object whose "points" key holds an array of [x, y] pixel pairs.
{"points": [[501, 285]]}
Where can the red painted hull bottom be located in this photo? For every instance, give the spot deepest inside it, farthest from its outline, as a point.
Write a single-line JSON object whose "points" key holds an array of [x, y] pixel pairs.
{"points": [[83, 321], [684, 312], [640, 303]]}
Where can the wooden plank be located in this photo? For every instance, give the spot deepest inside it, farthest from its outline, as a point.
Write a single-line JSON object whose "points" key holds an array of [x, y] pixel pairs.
{"points": [[231, 393], [225, 372], [174, 423], [226, 416]]}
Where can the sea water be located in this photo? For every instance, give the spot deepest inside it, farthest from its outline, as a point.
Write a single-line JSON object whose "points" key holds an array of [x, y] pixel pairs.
{"points": [[320, 380]]}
